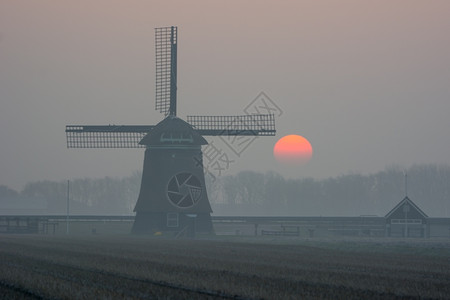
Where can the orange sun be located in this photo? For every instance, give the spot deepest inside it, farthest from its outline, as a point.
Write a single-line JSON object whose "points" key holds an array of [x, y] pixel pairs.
{"points": [[293, 149]]}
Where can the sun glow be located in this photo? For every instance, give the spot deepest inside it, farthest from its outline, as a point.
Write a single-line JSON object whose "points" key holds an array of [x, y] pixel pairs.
{"points": [[293, 149]]}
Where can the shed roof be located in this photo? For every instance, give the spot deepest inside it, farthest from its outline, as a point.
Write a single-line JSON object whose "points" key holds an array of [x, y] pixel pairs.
{"points": [[406, 200]]}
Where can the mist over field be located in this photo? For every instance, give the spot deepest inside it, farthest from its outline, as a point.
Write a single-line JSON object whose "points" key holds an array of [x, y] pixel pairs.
{"points": [[366, 82], [250, 194]]}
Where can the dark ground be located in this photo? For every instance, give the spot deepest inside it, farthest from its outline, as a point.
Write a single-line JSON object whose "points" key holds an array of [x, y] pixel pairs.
{"points": [[127, 267]]}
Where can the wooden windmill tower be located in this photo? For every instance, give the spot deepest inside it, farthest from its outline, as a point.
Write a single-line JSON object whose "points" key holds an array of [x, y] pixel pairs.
{"points": [[173, 189]]}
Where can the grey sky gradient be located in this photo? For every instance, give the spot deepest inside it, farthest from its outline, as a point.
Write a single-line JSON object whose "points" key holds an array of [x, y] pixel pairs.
{"points": [[366, 82]]}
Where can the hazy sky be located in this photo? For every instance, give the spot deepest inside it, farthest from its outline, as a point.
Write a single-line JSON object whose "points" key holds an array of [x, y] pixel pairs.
{"points": [[366, 82]]}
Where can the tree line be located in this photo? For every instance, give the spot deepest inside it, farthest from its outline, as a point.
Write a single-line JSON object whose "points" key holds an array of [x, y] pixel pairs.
{"points": [[252, 193]]}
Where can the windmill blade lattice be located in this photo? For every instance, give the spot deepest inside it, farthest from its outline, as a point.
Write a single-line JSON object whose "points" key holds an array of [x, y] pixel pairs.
{"points": [[166, 69], [257, 124], [106, 136]]}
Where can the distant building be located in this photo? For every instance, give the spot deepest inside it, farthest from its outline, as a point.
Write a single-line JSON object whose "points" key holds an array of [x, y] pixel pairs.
{"points": [[406, 219]]}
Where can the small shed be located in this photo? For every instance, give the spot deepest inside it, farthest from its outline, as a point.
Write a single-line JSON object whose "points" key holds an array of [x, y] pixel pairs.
{"points": [[406, 219]]}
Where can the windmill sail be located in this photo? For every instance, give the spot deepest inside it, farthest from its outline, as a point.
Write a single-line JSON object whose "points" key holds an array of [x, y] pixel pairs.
{"points": [[106, 136], [257, 124], [129, 136], [166, 70]]}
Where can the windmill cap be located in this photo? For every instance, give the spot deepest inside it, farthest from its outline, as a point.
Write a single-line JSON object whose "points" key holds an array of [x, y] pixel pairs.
{"points": [[173, 131]]}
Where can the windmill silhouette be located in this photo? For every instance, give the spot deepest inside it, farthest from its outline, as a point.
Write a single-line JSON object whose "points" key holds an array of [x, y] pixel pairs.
{"points": [[172, 192]]}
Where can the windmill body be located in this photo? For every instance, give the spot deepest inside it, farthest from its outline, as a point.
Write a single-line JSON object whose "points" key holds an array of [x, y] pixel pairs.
{"points": [[173, 182], [173, 194]]}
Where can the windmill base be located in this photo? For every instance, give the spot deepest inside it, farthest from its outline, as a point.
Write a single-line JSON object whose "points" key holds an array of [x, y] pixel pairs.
{"points": [[152, 222]]}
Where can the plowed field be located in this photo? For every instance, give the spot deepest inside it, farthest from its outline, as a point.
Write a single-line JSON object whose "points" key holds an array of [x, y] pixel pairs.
{"points": [[127, 267]]}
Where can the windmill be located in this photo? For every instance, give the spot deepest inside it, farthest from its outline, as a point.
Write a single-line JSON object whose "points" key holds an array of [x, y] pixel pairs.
{"points": [[172, 194]]}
